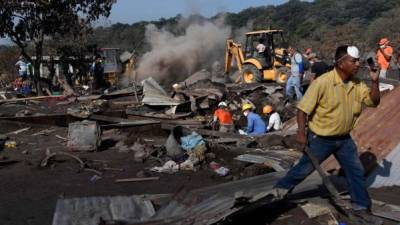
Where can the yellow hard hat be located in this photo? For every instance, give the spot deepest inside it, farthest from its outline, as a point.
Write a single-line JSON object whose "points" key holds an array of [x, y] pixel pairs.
{"points": [[246, 106], [267, 109]]}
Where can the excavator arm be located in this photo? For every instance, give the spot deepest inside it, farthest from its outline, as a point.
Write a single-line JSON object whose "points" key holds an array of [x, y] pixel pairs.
{"points": [[233, 50]]}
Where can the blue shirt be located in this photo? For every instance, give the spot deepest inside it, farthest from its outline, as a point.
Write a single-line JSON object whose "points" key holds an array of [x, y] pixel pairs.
{"points": [[255, 125]]}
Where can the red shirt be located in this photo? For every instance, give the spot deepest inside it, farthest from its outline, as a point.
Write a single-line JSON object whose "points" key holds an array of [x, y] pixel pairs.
{"points": [[224, 117]]}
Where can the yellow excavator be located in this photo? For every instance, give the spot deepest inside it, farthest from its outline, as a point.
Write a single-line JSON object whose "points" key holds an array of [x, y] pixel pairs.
{"points": [[270, 65]]}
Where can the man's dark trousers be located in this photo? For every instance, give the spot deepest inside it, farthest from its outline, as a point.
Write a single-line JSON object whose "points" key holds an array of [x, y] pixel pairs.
{"points": [[345, 151]]}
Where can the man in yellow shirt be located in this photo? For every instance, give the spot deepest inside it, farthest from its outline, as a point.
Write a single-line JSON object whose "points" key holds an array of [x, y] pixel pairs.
{"points": [[331, 105]]}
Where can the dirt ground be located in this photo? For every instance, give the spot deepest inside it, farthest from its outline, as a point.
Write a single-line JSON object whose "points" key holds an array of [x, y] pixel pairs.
{"points": [[29, 193]]}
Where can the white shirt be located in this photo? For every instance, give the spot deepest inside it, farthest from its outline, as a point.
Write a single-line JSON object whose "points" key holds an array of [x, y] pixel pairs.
{"points": [[22, 66], [260, 48], [275, 122]]}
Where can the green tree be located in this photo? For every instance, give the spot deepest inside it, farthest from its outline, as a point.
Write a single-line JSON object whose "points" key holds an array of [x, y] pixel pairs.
{"points": [[31, 23]]}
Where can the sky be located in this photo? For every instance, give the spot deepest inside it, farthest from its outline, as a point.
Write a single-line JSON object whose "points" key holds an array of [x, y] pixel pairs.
{"points": [[131, 11]]}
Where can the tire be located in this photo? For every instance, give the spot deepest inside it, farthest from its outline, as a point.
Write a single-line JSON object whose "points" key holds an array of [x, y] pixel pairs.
{"points": [[250, 74], [281, 75]]}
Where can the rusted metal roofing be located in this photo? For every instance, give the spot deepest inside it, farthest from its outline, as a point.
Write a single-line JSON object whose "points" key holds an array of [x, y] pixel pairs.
{"points": [[378, 130]]}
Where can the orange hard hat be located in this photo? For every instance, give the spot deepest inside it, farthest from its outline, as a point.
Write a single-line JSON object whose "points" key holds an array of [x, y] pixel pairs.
{"points": [[383, 41], [267, 109]]}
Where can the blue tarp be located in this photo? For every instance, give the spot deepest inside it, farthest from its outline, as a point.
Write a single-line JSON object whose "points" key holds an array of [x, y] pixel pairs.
{"points": [[189, 142]]}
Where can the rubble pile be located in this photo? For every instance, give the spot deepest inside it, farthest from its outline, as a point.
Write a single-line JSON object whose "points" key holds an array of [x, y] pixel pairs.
{"points": [[152, 137]]}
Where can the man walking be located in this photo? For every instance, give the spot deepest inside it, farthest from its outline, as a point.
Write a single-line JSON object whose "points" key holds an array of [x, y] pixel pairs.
{"points": [[384, 55], [297, 71], [332, 104]]}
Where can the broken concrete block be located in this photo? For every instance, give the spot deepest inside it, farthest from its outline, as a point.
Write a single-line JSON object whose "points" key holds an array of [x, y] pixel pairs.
{"points": [[84, 136]]}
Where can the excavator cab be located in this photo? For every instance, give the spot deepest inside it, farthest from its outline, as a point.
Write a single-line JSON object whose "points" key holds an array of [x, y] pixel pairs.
{"points": [[270, 65]]}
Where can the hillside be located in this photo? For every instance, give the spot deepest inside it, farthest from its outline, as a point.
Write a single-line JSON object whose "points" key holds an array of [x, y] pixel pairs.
{"points": [[322, 24]]}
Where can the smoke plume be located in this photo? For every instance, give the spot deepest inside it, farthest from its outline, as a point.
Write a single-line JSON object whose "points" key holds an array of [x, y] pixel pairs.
{"points": [[174, 57]]}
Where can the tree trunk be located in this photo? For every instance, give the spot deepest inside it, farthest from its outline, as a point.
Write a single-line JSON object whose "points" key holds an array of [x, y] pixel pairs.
{"points": [[36, 77]]}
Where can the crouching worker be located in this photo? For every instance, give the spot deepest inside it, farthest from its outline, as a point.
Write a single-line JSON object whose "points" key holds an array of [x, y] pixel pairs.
{"points": [[255, 125], [274, 121], [224, 118]]}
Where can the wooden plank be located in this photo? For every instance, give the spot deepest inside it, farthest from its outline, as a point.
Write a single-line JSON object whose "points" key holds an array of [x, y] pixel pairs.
{"points": [[211, 133], [7, 162], [124, 103], [121, 121], [31, 98], [258, 159], [19, 131], [56, 119], [385, 210], [136, 179]]}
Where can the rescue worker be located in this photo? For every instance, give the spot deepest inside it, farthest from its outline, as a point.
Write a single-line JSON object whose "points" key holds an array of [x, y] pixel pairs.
{"points": [[384, 55], [330, 108], [224, 118], [255, 125], [274, 121], [297, 72]]}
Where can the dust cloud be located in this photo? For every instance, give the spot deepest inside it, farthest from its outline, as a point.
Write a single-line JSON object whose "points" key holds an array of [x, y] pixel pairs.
{"points": [[175, 57]]}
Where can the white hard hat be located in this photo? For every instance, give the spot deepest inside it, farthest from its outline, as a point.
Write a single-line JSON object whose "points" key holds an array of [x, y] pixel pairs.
{"points": [[222, 104], [353, 52]]}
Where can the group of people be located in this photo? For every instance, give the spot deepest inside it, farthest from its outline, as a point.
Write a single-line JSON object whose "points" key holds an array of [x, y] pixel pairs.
{"points": [[300, 65], [78, 72], [326, 115], [256, 124], [73, 72], [310, 63]]}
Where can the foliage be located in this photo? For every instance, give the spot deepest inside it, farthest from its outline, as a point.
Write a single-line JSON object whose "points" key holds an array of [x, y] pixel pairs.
{"points": [[321, 24], [8, 57], [32, 22]]}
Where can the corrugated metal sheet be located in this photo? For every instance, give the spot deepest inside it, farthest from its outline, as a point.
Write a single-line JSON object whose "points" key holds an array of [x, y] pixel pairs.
{"points": [[211, 204], [388, 171], [378, 130], [87, 211], [154, 94]]}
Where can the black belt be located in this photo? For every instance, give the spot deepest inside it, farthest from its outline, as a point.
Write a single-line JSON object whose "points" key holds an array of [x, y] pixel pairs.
{"points": [[333, 137]]}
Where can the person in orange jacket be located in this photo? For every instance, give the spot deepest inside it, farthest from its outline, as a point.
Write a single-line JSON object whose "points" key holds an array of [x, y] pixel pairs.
{"points": [[383, 56], [224, 118]]}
